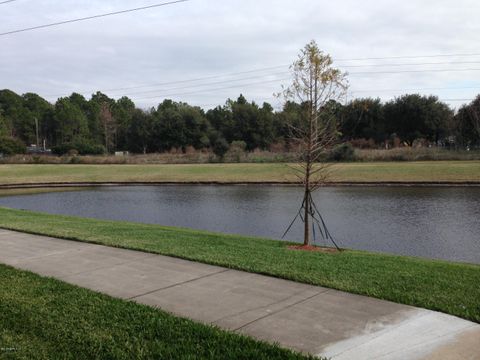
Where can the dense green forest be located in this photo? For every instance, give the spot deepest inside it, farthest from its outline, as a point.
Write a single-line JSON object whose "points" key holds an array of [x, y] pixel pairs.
{"points": [[103, 125]]}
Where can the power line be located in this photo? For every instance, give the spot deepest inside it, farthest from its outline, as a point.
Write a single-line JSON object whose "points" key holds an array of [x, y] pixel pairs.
{"points": [[414, 89], [261, 100], [284, 66], [164, 95], [284, 72], [5, 2], [410, 57], [91, 17], [207, 84], [258, 101], [181, 81], [213, 89], [196, 80], [285, 79], [411, 71], [412, 64], [205, 87]]}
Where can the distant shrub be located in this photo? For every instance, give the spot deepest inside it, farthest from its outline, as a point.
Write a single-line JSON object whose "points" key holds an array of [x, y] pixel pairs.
{"points": [[90, 149], [189, 150], [278, 147], [399, 157], [395, 141], [238, 145], [61, 149], [81, 148], [175, 151], [363, 143], [237, 151], [38, 159], [419, 143], [11, 146], [342, 152], [220, 147], [75, 160]]}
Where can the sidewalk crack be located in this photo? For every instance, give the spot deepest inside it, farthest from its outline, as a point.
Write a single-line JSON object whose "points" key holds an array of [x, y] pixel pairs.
{"points": [[178, 284], [261, 307], [285, 308]]}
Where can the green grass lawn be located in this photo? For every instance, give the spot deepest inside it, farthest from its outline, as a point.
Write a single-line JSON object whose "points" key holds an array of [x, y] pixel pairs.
{"points": [[42, 318], [430, 171], [451, 288]]}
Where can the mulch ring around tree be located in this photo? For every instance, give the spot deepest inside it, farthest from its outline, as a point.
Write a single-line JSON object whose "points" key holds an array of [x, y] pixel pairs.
{"points": [[313, 248]]}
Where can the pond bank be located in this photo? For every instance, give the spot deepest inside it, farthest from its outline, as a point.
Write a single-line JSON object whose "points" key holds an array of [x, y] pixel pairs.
{"points": [[220, 183]]}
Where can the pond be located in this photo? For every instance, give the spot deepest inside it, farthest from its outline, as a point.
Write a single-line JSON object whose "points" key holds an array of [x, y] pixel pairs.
{"points": [[431, 222]]}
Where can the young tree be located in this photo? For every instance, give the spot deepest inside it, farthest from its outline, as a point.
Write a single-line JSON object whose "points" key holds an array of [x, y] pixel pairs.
{"points": [[315, 85]]}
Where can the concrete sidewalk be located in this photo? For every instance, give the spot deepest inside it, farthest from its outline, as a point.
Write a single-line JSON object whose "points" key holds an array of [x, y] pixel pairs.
{"points": [[308, 318]]}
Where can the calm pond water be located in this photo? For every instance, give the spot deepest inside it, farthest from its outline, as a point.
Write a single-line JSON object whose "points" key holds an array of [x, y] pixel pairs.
{"points": [[431, 222]]}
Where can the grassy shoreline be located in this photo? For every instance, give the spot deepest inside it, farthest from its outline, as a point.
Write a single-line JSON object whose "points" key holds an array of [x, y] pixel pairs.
{"points": [[43, 318], [387, 172], [433, 284]]}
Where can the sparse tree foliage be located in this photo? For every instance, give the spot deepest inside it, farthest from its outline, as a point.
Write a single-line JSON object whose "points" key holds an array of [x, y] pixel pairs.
{"points": [[317, 85]]}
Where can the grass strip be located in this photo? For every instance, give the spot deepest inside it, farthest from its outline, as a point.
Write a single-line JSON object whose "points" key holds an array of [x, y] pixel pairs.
{"points": [[452, 288], [420, 171], [43, 318]]}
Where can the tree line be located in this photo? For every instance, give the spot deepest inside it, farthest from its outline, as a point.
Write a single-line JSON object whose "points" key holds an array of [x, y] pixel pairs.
{"points": [[103, 125]]}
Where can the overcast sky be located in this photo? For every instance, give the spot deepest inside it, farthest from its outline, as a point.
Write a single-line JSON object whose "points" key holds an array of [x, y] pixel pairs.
{"points": [[148, 55]]}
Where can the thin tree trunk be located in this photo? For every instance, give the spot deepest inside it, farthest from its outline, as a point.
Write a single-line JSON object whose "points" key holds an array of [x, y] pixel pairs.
{"points": [[306, 232]]}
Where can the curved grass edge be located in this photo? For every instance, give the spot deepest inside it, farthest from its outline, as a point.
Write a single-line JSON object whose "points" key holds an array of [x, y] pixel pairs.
{"points": [[437, 285]]}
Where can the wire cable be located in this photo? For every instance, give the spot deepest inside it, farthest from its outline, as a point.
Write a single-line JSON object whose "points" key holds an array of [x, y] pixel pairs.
{"points": [[416, 89], [209, 90], [125, 89], [411, 71], [410, 57], [91, 17], [285, 79]]}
